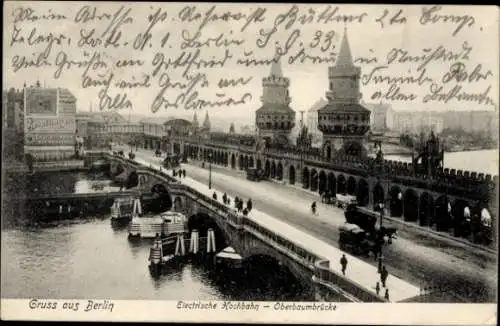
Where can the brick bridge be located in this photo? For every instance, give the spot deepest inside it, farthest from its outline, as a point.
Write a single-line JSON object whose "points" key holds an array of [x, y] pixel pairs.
{"points": [[414, 198], [249, 238]]}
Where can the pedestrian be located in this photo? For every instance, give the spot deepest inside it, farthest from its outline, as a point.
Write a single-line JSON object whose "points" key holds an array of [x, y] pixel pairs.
{"points": [[377, 288], [173, 172], [236, 200], [184, 173], [228, 201], [214, 196], [249, 204], [313, 208], [224, 198], [386, 296], [343, 263], [383, 275], [245, 212]]}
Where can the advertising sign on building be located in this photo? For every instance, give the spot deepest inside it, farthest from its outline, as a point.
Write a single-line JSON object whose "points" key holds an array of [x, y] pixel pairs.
{"points": [[55, 124], [50, 139], [41, 101]]}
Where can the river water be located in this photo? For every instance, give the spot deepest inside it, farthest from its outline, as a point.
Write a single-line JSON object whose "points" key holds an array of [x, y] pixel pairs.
{"points": [[88, 258], [483, 161]]}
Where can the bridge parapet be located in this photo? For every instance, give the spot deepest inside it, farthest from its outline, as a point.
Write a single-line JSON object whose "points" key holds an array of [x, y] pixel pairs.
{"points": [[326, 278]]}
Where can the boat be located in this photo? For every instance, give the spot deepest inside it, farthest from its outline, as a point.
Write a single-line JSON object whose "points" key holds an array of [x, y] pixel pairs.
{"points": [[122, 210], [229, 258], [165, 224]]}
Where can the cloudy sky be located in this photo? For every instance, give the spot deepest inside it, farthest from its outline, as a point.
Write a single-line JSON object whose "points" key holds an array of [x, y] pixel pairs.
{"points": [[308, 81]]}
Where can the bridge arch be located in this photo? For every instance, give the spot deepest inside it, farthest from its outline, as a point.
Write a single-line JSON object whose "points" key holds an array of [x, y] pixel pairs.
{"points": [[259, 164], [314, 180], [291, 175], [202, 222], [226, 158], [426, 211], [267, 169], [132, 180], [161, 201], [351, 186], [341, 184], [289, 265], [322, 182], [305, 178], [442, 213], [378, 196], [178, 204], [233, 161], [363, 193], [251, 162], [410, 205], [241, 162], [332, 184], [396, 202], [245, 162], [459, 218], [273, 170], [279, 171]]}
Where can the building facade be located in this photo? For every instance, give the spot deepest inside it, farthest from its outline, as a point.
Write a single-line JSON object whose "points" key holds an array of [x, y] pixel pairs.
{"points": [[49, 123]]}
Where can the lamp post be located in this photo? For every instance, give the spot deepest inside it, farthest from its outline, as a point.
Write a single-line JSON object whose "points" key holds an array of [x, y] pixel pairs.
{"points": [[210, 170]]}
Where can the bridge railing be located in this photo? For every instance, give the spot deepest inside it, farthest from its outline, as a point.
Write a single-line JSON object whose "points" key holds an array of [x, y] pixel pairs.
{"points": [[274, 238], [323, 274]]}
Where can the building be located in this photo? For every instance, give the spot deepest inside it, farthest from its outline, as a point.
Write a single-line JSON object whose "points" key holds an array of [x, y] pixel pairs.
{"points": [[343, 121], [49, 123], [93, 127], [380, 113], [275, 119], [312, 122], [13, 125], [414, 122]]}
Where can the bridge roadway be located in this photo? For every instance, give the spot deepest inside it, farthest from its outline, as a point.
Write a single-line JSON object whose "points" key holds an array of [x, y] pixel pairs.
{"points": [[364, 274], [464, 275]]}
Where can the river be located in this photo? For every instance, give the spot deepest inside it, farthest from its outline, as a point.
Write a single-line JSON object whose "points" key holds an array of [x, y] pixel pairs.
{"points": [[483, 161], [88, 258]]}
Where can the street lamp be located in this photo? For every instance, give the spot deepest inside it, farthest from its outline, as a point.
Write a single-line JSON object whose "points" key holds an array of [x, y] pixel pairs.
{"points": [[381, 205], [210, 170]]}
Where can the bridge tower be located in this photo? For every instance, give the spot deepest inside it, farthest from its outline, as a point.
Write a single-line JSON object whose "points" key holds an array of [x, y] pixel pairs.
{"points": [[343, 121], [275, 119]]}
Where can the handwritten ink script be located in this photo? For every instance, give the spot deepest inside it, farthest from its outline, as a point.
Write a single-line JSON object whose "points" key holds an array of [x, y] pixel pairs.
{"points": [[198, 56]]}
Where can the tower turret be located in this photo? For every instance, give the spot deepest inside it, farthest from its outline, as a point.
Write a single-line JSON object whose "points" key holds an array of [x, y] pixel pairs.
{"points": [[343, 121], [275, 119], [206, 123], [195, 122]]}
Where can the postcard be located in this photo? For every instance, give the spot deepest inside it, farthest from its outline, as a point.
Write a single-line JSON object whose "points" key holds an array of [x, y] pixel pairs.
{"points": [[250, 163]]}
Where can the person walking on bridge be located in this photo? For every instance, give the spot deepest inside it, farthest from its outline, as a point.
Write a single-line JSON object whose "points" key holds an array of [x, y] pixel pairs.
{"points": [[249, 204], [313, 208], [343, 263], [383, 275], [224, 198]]}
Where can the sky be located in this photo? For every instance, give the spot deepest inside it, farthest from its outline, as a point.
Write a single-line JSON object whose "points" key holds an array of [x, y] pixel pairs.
{"points": [[308, 81]]}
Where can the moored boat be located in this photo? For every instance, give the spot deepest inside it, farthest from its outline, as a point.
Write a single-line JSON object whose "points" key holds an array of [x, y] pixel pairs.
{"points": [[122, 210], [166, 223], [229, 258]]}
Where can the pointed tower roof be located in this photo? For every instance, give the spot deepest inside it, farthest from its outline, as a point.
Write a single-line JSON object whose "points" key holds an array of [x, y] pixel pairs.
{"points": [[344, 57], [206, 123], [195, 122], [276, 68]]}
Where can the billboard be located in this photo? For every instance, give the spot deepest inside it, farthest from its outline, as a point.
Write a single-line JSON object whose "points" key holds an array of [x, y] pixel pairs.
{"points": [[41, 101], [53, 139], [53, 124]]}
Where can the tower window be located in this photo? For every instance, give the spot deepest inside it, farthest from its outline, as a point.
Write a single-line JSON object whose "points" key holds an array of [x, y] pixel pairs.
{"points": [[331, 86]]}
